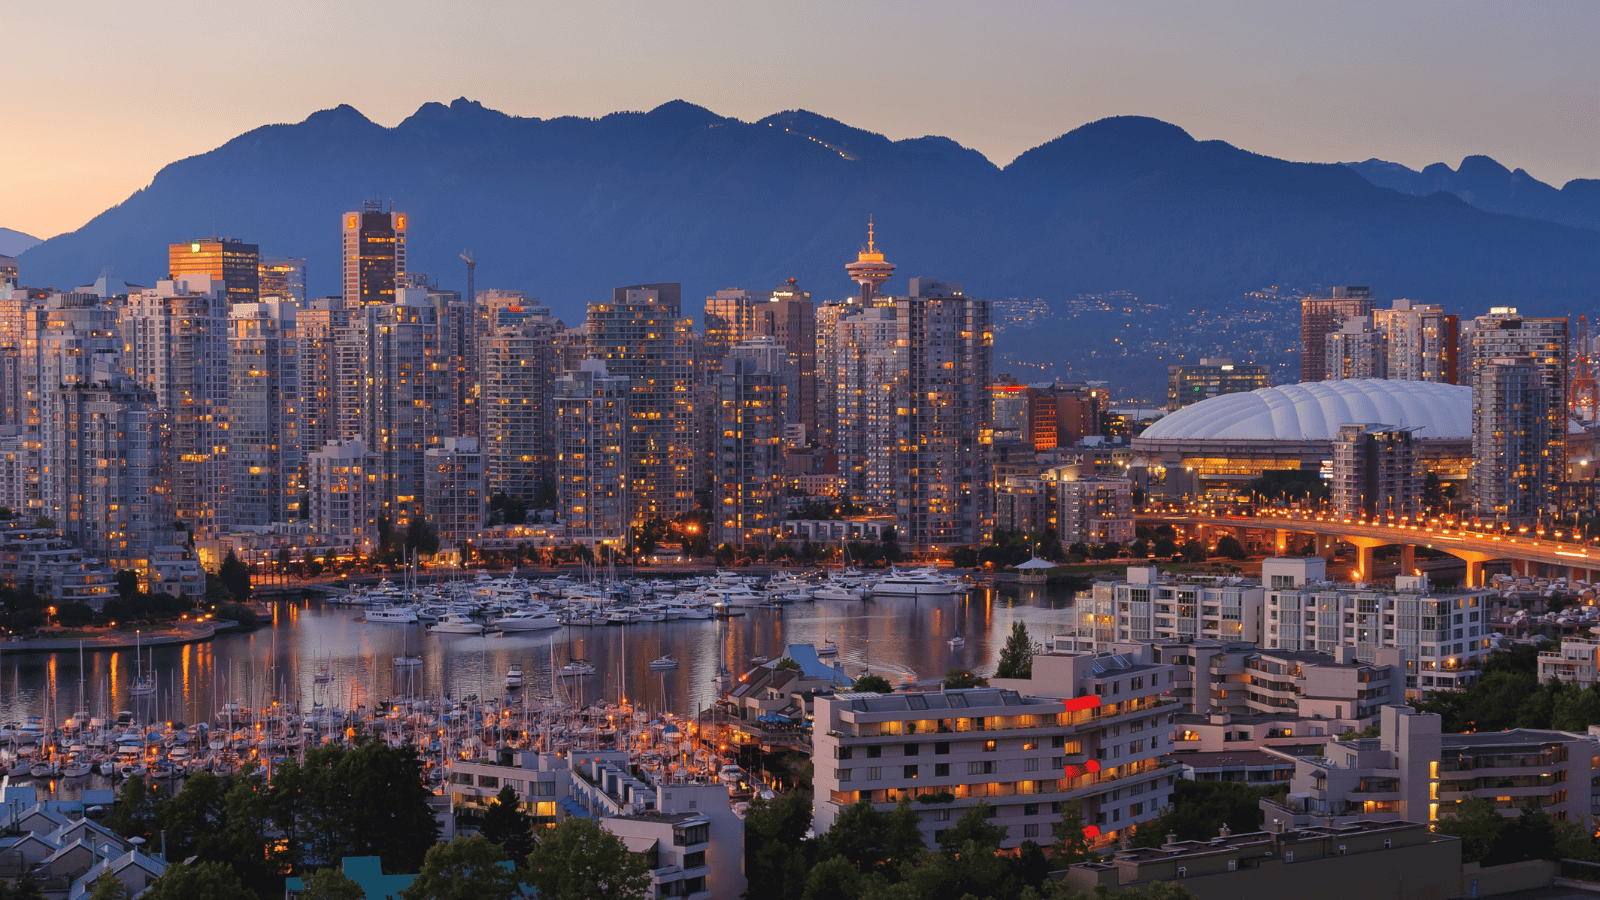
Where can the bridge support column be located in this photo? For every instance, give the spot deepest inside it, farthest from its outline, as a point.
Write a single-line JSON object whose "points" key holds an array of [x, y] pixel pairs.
{"points": [[1325, 544], [1474, 573], [1280, 544], [1408, 559]]}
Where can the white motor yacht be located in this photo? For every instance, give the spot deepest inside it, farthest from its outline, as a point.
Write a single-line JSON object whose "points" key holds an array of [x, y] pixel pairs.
{"points": [[399, 615], [912, 584], [525, 620], [578, 668], [514, 679], [456, 623]]}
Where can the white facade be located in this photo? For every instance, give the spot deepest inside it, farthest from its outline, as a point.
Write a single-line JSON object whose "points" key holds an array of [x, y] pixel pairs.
{"points": [[1149, 606], [1082, 728], [1094, 510]]}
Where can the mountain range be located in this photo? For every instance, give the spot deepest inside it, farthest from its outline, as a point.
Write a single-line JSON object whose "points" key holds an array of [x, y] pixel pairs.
{"points": [[14, 242], [568, 208]]}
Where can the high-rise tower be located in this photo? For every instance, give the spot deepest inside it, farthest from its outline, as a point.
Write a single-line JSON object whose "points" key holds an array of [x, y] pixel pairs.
{"points": [[790, 318], [1322, 315], [234, 263], [374, 253], [870, 270], [757, 377], [641, 336]]}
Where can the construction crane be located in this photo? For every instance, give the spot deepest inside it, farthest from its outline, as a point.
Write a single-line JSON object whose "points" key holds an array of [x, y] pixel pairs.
{"points": [[472, 273]]}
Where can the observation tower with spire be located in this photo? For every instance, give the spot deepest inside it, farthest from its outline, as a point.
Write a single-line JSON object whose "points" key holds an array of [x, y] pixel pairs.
{"points": [[870, 270]]}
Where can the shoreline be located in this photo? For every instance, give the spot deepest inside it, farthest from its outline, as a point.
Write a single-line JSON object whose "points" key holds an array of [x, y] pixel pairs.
{"points": [[187, 633]]}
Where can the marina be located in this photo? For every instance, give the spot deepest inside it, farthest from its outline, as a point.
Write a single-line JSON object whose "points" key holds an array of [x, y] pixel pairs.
{"points": [[253, 694]]}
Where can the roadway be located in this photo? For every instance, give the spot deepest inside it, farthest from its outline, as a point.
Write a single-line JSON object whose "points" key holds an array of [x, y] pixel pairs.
{"points": [[1473, 545]]}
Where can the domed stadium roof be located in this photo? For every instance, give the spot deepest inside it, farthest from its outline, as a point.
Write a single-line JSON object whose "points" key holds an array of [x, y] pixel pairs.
{"points": [[1314, 411]]}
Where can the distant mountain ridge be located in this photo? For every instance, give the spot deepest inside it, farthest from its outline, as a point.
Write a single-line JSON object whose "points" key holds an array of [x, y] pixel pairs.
{"points": [[1490, 186], [14, 242], [568, 208]]}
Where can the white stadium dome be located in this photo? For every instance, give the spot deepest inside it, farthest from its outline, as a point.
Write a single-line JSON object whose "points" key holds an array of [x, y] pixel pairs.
{"points": [[1314, 411]]}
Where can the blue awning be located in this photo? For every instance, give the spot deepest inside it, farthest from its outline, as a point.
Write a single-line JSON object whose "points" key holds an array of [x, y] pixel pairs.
{"points": [[573, 809]]}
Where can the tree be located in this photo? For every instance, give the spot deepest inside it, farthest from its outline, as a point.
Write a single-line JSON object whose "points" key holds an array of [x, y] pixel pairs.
{"points": [[1164, 547], [507, 826], [127, 583], [1476, 822], [74, 615], [874, 683], [192, 815], [109, 887], [1016, 657], [421, 537], [1199, 809], [973, 831], [1229, 546], [331, 884], [579, 860], [956, 679], [872, 840], [235, 577], [203, 881], [1193, 551], [44, 522], [1072, 845], [832, 879], [366, 801], [134, 813], [470, 868], [777, 853], [1139, 549]]}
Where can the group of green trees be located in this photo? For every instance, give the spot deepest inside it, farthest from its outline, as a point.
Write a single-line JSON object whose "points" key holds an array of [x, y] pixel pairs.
{"points": [[1492, 839], [240, 836], [873, 855], [1508, 695]]}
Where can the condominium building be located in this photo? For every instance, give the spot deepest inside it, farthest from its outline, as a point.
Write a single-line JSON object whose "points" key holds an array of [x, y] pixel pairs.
{"points": [[1421, 342], [41, 559], [453, 490], [1414, 773], [1150, 606], [942, 451], [1577, 661], [266, 480], [1093, 510], [757, 379], [343, 477], [517, 404], [1443, 637], [374, 254], [1083, 727], [328, 373], [1321, 315], [728, 320], [1376, 471], [592, 420], [869, 369], [234, 263], [1356, 350], [1519, 368], [789, 318], [1514, 474], [1212, 377], [403, 397], [175, 343], [641, 336], [106, 454]]}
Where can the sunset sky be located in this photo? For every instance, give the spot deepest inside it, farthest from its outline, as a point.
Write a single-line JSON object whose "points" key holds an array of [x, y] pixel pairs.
{"points": [[99, 95]]}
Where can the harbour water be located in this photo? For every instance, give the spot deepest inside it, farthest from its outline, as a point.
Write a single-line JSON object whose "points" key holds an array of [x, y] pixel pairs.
{"points": [[895, 637]]}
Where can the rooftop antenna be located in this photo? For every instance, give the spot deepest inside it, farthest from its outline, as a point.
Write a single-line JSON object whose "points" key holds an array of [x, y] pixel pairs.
{"points": [[472, 272]]}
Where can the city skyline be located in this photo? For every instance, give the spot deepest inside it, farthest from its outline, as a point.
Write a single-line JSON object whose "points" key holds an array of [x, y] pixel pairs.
{"points": [[1412, 90]]}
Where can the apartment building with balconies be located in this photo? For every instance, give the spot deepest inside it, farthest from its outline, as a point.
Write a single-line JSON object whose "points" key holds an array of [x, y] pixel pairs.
{"points": [[1578, 661], [1083, 727], [1411, 772], [1152, 606]]}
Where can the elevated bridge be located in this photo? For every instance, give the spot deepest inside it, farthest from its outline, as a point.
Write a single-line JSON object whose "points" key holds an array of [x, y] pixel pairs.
{"points": [[1474, 545]]}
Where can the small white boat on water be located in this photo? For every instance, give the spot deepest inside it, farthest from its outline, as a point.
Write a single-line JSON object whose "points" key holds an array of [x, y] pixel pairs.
{"points": [[957, 641], [828, 648], [578, 668], [663, 664], [456, 623], [514, 679], [525, 620]]}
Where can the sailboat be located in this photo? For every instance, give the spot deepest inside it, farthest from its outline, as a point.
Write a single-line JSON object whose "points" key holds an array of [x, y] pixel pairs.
{"points": [[143, 683]]}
